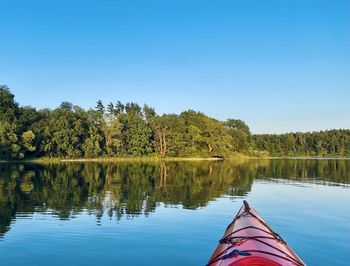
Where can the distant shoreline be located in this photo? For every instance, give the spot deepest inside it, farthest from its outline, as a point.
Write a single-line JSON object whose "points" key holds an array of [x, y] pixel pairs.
{"points": [[309, 158], [118, 159], [169, 159]]}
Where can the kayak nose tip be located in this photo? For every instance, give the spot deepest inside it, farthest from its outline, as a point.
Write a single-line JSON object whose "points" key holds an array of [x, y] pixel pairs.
{"points": [[246, 205]]}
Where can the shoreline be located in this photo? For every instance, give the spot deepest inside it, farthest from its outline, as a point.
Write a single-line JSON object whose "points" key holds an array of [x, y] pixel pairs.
{"points": [[308, 158], [169, 159], [120, 159], [116, 159]]}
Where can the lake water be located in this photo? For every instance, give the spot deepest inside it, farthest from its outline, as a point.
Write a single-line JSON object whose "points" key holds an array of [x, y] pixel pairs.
{"points": [[169, 213]]}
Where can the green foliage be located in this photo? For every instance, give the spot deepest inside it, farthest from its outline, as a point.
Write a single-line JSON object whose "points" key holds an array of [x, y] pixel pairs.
{"points": [[133, 108], [242, 141], [169, 134], [8, 107], [100, 107], [65, 132], [110, 109], [237, 124], [27, 140], [136, 134], [131, 130], [92, 146], [323, 143], [119, 108], [205, 134], [9, 148], [112, 129], [148, 112]]}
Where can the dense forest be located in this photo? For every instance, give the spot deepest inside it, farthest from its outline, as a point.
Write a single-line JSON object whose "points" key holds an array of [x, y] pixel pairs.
{"points": [[323, 143], [119, 129]]}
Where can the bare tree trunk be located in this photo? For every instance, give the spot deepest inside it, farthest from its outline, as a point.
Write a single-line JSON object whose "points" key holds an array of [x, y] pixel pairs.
{"points": [[164, 144], [160, 142]]}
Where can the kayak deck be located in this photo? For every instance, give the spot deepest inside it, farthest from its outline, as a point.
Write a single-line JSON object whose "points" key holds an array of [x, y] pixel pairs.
{"points": [[248, 240]]}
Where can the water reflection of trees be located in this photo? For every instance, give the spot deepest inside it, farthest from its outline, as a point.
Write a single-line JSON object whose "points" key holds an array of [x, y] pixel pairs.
{"points": [[130, 189], [317, 170]]}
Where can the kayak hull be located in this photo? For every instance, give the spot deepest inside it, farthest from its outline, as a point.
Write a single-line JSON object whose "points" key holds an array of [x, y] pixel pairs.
{"points": [[248, 240]]}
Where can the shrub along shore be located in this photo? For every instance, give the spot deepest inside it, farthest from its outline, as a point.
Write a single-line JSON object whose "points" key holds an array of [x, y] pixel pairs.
{"points": [[129, 131]]}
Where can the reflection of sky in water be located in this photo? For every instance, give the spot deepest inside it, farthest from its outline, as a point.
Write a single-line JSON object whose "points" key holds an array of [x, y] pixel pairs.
{"points": [[312, 218]]}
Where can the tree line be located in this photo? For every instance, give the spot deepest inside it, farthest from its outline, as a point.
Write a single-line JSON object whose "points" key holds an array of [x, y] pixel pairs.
{"points": [[128, 129], [323, 143]]}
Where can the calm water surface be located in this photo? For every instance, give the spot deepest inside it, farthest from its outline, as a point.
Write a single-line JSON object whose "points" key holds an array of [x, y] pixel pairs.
{"points": [[168, 213]]}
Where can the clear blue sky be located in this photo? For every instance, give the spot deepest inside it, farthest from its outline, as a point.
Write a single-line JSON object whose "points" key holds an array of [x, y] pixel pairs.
{"points": [[280, 65]]}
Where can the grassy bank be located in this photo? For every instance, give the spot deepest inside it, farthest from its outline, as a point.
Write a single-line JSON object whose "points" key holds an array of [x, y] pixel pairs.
{"points": [[237, 156], [164, 159], [116, 159], [131, 159]]}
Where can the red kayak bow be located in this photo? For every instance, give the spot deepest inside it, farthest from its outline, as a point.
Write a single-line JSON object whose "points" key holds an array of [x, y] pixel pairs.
{"points": [[248, 240]]}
